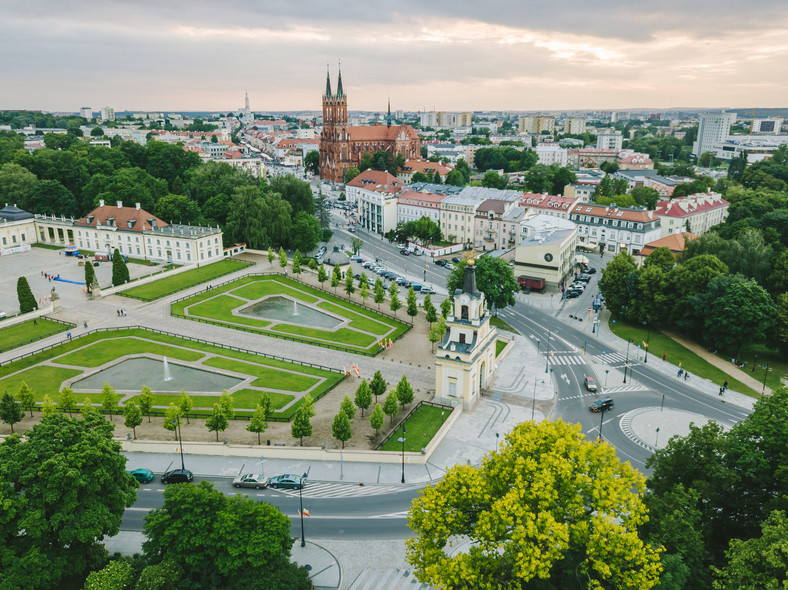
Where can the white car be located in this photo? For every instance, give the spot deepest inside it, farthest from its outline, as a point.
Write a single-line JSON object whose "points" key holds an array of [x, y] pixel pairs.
{"points": [[250, 480]]}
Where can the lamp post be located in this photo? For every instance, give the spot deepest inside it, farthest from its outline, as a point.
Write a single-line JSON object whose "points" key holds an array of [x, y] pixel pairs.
{"points": [[606, 372], [648, 335], [301, 503], [547, 355], [656, 439], [765, 373], [755, 360], [538, 342], [177, 422], [402, 440], [533, 401], [626, 362], [601, 419]]}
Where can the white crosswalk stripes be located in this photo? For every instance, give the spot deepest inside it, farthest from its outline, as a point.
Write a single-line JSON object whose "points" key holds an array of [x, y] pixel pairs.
{"points": [[615, 357], [342, 490], [566, 360]]}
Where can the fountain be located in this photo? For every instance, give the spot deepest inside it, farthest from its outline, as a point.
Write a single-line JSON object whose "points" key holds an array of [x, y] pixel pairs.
{"points": [[295, 307], [167, 375], [284, 309]]}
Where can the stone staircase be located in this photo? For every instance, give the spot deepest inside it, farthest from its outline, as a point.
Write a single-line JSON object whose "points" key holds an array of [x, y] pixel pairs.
{"points": [[387, 579]]}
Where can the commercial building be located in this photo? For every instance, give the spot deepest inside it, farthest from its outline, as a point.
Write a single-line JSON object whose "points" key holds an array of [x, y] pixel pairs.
{"points": [[757, 147], [413, 205], [590, 157], [498, 224], [376, 194], [611, 229], [458, 213], [713, 129], [86, 113], [694, 213], [546, 249], [575, 126]]}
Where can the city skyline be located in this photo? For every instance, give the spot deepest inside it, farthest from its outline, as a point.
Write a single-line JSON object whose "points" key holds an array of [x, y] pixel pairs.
{"points": [[446, 56]]}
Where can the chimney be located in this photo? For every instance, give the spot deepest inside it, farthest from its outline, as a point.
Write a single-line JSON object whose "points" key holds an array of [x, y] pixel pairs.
{"points": [[101, 203], [137, 206]]}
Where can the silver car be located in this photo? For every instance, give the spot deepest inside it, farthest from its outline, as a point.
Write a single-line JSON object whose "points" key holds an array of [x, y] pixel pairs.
{"points": [[250, 480]]}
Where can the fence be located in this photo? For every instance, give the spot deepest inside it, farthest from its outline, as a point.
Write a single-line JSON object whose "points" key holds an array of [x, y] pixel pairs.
{"points": [[251, 330], [42, 336], [408, 415], [189, 286]]}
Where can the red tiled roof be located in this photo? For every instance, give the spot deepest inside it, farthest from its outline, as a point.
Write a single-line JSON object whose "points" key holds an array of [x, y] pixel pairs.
{"points": [[612, 212], [543, 201], [677, 243], [420, 199], [380, 132], [419, 165], [122, 216], [376, 180], [690, 205]]}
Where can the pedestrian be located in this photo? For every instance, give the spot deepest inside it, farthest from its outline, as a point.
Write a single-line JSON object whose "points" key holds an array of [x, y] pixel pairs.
{"points": [[686, 376], [85, 325], [69, 335], [664, 356], [117, 312], [725, 385], [722, 389], [678, 374], [35, 323]]}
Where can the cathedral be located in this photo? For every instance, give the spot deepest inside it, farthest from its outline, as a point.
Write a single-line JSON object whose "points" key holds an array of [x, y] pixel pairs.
{"points": [[342, 146]]}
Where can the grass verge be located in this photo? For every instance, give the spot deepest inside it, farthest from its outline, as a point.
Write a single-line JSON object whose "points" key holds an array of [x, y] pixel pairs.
{"points": [[29, 331], [499, 323], [173, 284], [420, 427], [499, 346]]}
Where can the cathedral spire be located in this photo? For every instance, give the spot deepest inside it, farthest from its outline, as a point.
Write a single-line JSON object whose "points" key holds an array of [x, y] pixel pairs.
{"points": [[328, 82], [339, 81], [388, 116]]}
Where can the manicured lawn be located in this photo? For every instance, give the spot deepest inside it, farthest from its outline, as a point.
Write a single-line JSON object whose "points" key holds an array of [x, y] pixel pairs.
{"points": [[363, 331], [42, 380], [48, 246], [18, 334], [249, 398], [499, 323], [499, 346], [266, 376], [168, 285], [97, 354], [660, 344], [420, 427]]}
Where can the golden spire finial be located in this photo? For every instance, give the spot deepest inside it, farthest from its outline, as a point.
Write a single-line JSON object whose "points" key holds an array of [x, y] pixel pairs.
{"points": [[470, 258]]}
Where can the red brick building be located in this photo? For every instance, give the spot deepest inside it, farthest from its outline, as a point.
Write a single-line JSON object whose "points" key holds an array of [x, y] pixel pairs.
{"points": [[342, 146]]}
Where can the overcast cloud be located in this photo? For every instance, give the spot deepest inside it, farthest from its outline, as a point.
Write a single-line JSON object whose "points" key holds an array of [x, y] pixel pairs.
{"points": [[450, 55]]}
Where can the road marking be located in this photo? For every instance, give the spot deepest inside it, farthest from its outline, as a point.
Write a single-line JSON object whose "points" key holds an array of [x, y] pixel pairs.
{"points": [[565, 378]]}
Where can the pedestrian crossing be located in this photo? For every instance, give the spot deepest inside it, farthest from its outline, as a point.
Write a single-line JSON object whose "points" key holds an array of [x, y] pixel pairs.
{"points": [[343, 490], [573, 359], [612, 358], [606, 391]]}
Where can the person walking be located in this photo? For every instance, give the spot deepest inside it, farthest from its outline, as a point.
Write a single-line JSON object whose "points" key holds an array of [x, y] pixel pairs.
{"points": [[725, 386]]}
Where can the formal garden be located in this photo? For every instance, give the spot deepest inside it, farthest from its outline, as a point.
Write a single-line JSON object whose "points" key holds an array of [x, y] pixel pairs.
{"points": [[30, 331], [282, 307], [110, 368]]}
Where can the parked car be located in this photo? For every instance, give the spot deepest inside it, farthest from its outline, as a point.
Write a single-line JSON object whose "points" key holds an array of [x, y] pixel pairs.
{"points": [[416, 286], [440, 262], [449, 266], [405, 252], [584, 277], [3, 315], [178, 476], [572, 294], [368, 264], [591, 270], [455, 260], [142, 475], [590, 384], [250, 480], [287, 481], [428, 290], [601, 404], [402, 282]]}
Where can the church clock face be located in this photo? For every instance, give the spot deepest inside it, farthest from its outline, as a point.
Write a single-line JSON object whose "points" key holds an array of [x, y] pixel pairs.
{"points": [[548, 257]]}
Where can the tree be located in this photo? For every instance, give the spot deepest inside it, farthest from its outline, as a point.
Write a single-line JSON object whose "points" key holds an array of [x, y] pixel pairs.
{"points": [[351, 173], [757, 563], [217, 422], [301, 426], [404, 392], [363, 287], [191, 531], [341, 428], [437, 332], [120, 272], [132, 416], [259, 421], [554, 521], [87, 407], [356, 244], [609, 167], [378, 385], [295, 192], [116, 575], [363, 396], [348, 407], [146, 401], [282, 258], [48, 406], [312, 161], [50, 197], [109, 400], [394, 300], [53, 525], [412, 307], [27, 302], [336, 277], [185, 405], [305, 232], [645, 196], [226, 404], [172, 416], [322, 276], [494, 278], [349, 288], [431, 312], [11, 411], [26, 397], [90, 277], [177, 209], [446, 307], [376, 418], [67, 401], [312, 264], [248, 218], [494, 180], [296, 266], [391, 406], [614, 284], [378, 292], [270, 255], [17, 184]]}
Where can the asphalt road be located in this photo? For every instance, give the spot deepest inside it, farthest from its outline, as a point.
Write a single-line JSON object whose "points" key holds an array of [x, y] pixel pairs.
{"points": [[376, 516]]}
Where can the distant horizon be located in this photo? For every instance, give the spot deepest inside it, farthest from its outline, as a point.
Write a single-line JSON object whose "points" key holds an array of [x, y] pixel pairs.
{"points": [[447, 55]]}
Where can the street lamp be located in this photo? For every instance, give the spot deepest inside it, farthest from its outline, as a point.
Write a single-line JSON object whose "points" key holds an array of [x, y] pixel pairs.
{"points": [[177, 422], [765, 373], [538, 342], [402, 440], [648, 335], [601, 419], [547, 355], [301, 502], [753, 363], [606, 372], [533, 401], [626, 362]]}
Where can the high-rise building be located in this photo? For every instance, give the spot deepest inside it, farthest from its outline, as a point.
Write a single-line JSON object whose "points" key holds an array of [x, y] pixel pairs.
{"points": [[769, 126], [713, 128], [536, 125], [107, 114], [575, 125], [86, 113], [609, 140]]}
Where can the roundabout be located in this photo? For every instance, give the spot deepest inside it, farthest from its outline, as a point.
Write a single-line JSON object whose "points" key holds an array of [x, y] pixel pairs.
{"points": [[653, 427]]}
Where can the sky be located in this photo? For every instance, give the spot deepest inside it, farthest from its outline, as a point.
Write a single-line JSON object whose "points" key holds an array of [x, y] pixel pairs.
{"points": [[457, 55]]}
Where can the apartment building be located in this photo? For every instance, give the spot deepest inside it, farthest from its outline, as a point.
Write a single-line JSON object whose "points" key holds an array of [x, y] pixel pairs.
{"points": [[694, 213], [611, 229]]}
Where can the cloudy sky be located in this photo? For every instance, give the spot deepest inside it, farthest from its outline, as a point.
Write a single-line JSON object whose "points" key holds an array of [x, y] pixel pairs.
{"points": [[443, 54]]}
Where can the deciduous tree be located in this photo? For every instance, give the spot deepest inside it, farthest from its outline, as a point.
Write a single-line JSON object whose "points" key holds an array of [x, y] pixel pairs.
{"points": [[217, 422], [172, 416], [404, 392], [26, 397], [67, 401], [548, 508], [132, 416], [412, 307], [348, 407], [341, 427], [296, 266], [391, 405], [363, 396], [11, 411], [336, 277], [48, 406], [378, 292], [146, 401], [349, 287], [494, 278], [109, 400], [259, 421], [322, 276], [301, 426], [282, 258], [185, 405], [376, 418], [430, 311], [394, 300], [378, 385]]}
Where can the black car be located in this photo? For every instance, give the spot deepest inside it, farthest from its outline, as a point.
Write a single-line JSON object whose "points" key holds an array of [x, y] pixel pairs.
{"points": [[572, 294], [440, 262], [591, 270], [455, 260], [601, 404], [177, 476]]}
